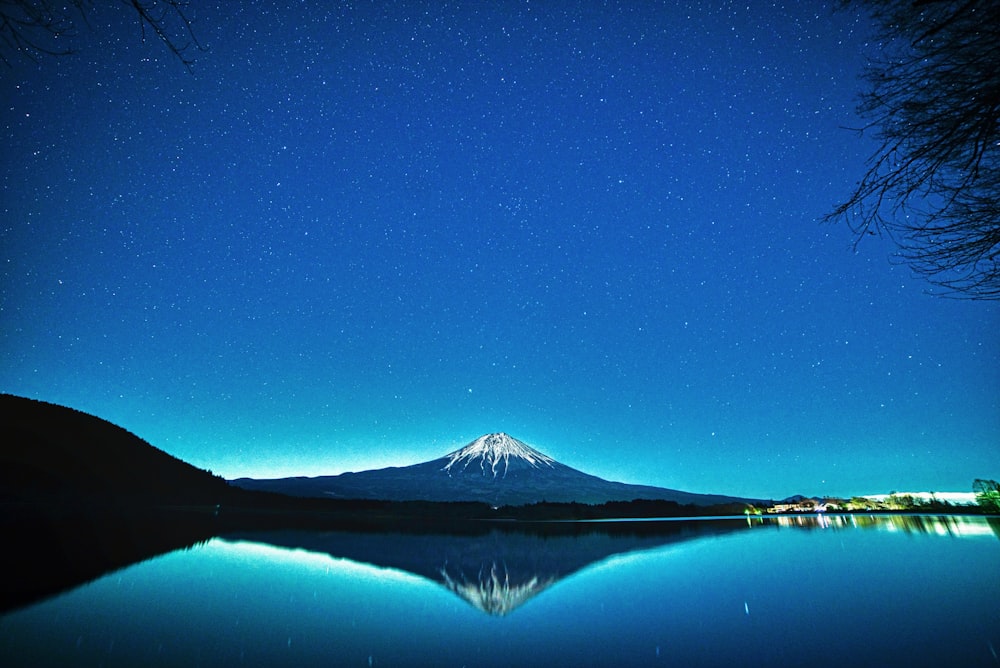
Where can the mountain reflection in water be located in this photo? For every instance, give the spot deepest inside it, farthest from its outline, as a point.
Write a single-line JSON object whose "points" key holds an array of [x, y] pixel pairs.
{"points": [[498, 570], [495, 567], [492, 591]]}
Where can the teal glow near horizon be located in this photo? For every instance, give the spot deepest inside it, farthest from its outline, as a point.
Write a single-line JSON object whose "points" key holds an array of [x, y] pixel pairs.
{"points": [[364, 236]]}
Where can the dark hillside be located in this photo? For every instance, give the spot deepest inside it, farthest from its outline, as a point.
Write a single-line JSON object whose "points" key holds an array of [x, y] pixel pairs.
{"points": [[58, 454]]}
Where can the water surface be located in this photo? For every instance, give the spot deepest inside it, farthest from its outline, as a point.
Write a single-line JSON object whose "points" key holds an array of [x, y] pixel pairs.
{"points": [[779, 592]]}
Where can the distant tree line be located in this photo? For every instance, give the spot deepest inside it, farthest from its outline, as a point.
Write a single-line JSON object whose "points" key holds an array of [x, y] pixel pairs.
{"points": [[987, 495], [636, 509], [900, 502]]}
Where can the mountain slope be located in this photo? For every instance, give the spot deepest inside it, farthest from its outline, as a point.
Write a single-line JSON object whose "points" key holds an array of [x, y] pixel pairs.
{"points": [[54, 453], [495, 469]]}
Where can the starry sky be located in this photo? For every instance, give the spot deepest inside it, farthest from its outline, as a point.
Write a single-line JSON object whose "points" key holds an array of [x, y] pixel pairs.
{"points": [[363, 235]]}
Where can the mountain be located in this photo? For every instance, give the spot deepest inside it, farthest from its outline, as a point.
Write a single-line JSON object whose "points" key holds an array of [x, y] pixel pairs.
{"points": [[54, 453], [495, 469]]}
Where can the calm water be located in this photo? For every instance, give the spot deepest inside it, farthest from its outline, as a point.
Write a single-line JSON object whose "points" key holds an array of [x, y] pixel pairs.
{"points": [[889, 591]]}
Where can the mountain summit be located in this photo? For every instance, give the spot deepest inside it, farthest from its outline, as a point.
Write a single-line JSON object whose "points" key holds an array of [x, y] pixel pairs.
{"points": [[493, 454], [495, 468]]}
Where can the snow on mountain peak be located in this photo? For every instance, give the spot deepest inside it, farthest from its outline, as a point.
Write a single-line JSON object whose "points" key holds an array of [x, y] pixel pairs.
{"points": [[494, 453]]}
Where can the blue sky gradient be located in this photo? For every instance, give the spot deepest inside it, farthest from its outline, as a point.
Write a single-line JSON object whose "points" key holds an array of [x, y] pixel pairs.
{"points": [[363, 236]]}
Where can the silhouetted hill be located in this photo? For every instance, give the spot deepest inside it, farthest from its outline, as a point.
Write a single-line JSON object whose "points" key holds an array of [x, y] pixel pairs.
{"points": [[58, 454]]}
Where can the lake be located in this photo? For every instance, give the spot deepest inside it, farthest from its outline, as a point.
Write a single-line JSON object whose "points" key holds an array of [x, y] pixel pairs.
{"points": [[774, 591]]}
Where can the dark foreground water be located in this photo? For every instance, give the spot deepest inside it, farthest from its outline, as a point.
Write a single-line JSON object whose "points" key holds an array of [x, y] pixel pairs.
{"points": [[834, 591]]}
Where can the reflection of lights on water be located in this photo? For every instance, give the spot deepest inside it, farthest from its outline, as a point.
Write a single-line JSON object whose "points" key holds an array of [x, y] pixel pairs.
{"points": [[940, 525], [952, 526]]}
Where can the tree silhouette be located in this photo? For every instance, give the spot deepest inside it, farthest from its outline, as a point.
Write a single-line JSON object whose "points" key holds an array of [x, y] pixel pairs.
{"points": [[933, 100], [32, 27]]}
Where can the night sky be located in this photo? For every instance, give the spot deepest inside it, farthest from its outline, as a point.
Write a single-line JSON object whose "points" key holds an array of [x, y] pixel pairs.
{"points": [[363, 236]]}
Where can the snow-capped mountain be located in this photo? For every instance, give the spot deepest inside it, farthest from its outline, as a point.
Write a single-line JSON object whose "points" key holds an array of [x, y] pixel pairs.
{"points": [[492, 453], [495, 468]]}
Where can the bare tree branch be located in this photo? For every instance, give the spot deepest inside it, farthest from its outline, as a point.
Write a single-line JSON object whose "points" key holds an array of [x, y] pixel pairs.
{"points": [[933, 101], [155, 14], [45, 27]]}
